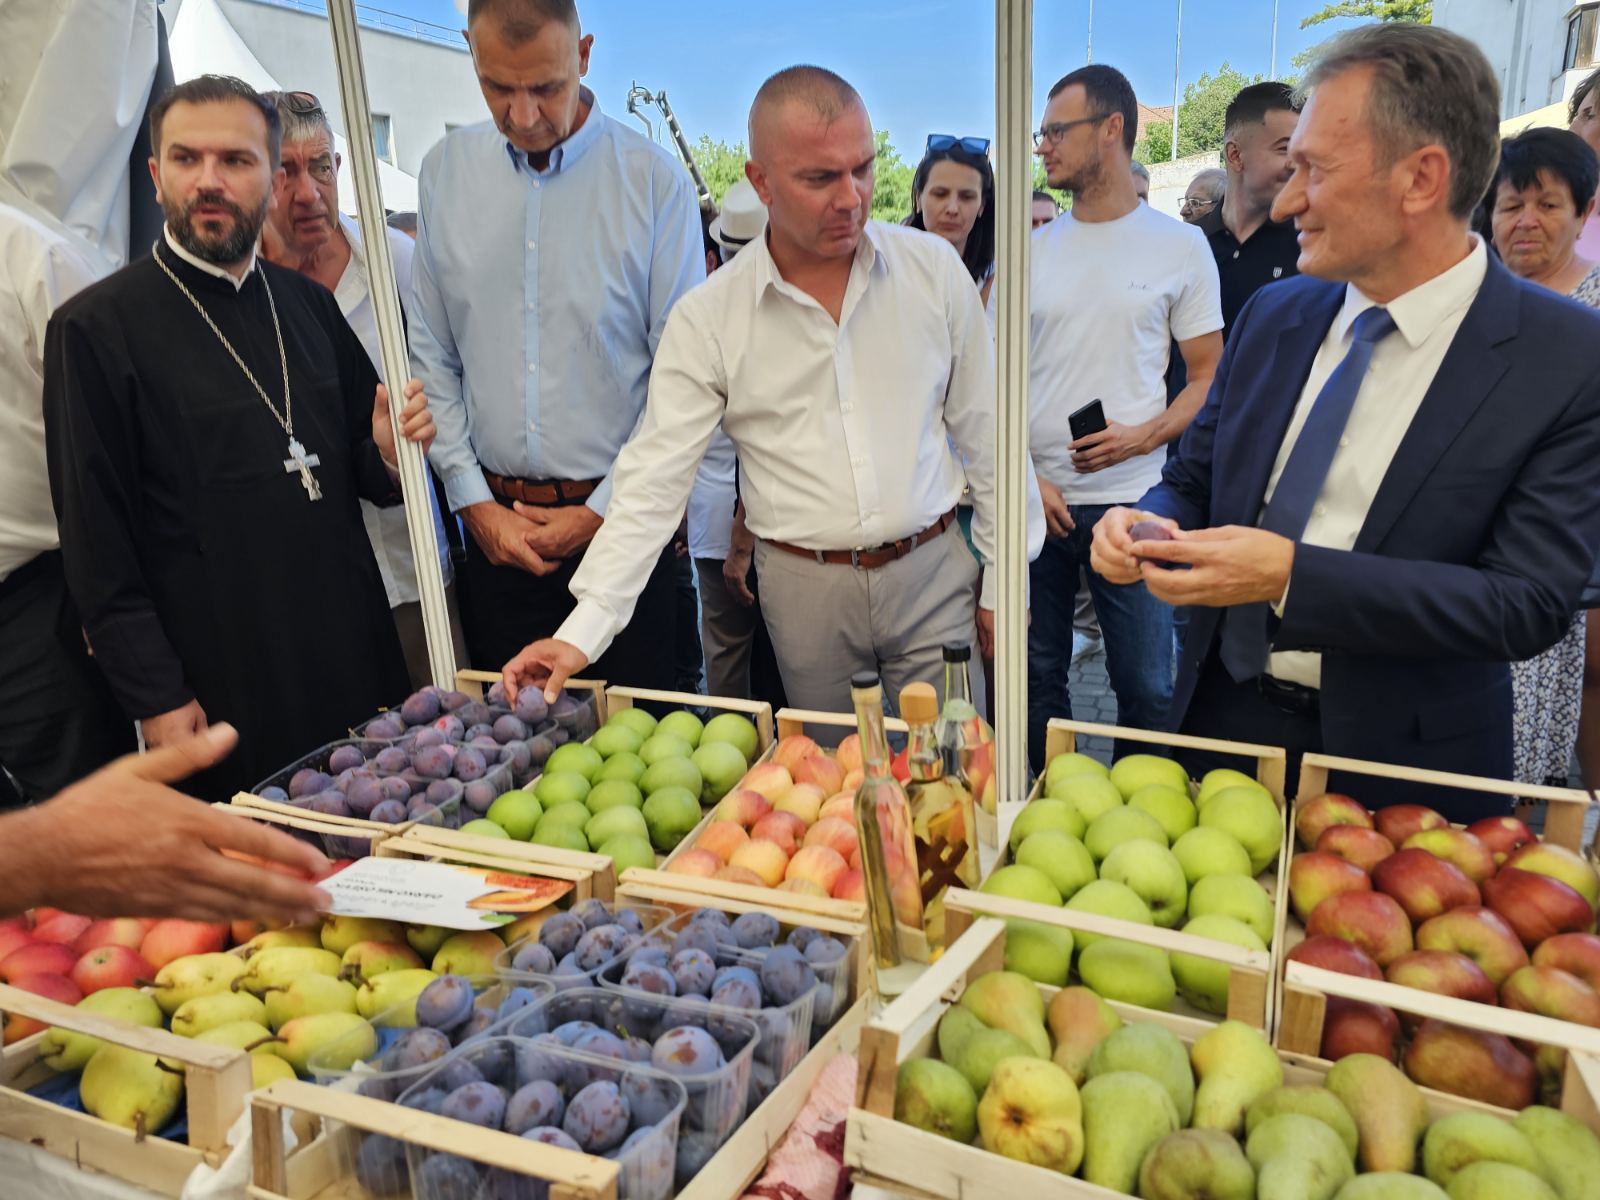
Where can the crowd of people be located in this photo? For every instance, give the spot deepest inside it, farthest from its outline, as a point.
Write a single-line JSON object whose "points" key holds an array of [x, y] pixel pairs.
{"points": [[1319, 456]]}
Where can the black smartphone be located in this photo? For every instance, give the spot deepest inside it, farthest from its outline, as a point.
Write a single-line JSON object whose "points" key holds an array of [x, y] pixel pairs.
{"points": [[1091, 418]]}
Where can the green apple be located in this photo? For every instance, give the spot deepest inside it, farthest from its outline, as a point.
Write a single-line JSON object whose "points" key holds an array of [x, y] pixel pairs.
{"points": [[721, 768], [1062, 858], [615, 822], [1134, 772], [1091, 795], [614, 793], [669, 814], [1204, 851], [1203, 982], [574, 816], [1171, 807], [1250, 815], [737, 731], [565, 837], [516, 813], [615, 739], [1236, 896], [1023, 883], [1107, 898], [682, 724], [672, 773], [1109, 830], [1063, 766], [561, 787], [1216, 780], [663, 745], [1154, 874], [1046, 814], [629, 850], [575, 756], [636, 719], [484, 827], [1041, 952], [626, 767], [1128, 973]]}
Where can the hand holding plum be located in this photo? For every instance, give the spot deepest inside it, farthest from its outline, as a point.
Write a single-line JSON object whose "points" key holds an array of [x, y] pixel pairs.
{"points": [[1111, 553], [546, 664]]}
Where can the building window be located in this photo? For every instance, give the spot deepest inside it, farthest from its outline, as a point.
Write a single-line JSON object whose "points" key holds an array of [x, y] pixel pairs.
{"points": [[1579, 51], [383, 137]]}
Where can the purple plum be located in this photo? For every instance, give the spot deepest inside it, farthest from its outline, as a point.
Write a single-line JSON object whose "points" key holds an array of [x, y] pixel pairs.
{"points": [[530, 707], [415, 1048], [754, 929], [534, 1104], [786, 975], [685, 1051], [308, 781], [346, 758], [389, 812], [597, 1117], [825, 950], [391, 760], [445, 1003], [593, 913], [561, 933], [534, 957], [419, 708], [452, 700], [470, 764]]}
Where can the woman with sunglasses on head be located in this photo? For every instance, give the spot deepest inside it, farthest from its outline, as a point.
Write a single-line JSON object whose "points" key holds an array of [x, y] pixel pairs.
{"points": [[952, 195]]}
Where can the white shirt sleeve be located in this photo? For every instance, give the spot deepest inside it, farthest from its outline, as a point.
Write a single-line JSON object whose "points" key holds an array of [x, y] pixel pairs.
{"points": [[1198, 310]]}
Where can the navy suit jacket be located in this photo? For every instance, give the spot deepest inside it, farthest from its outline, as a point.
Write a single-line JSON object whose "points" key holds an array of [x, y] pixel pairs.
{"points": [[1477, 544]]}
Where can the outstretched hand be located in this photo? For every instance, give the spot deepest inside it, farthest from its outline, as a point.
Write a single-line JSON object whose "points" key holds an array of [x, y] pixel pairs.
{"points": [[546, 664]]}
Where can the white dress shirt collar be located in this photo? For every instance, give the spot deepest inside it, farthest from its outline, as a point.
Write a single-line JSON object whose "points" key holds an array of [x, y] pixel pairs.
{"points": [[1420, 311], [201, 264], [868, 254]]}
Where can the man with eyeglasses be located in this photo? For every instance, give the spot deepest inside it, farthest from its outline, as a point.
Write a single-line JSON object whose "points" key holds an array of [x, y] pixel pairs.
{"points": [[1203, 194], [306, 232], [1114, 284]]}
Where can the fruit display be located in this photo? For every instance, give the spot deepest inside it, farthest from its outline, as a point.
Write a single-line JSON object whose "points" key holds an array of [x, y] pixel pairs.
{"points": [[568, 948], [1142, 843], [1487, 913], [462, 718]]}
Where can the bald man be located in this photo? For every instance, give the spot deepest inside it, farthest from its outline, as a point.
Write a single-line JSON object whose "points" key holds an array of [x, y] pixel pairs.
{"points": [[849, 363]]}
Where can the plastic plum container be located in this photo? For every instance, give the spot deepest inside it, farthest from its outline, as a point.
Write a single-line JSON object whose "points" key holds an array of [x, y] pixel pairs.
{"points": [[623, 1111], [560, 935], [597, 1018]]}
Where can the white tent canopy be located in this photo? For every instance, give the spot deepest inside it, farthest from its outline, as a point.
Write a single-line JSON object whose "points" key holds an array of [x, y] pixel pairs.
{"points": [[204, 41]]}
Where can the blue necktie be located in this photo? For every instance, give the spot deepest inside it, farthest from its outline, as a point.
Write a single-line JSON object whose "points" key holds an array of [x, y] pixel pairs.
{"points": [[1244, 627]]}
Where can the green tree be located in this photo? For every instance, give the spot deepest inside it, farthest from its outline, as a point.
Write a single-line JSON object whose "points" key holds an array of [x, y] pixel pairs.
{"points": [[723, 166], [720, 163], [1200, 117], [1419, 12]]}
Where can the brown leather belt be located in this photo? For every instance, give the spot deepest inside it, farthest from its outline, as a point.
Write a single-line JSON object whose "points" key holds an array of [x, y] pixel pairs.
{"points": [[877, 556], [541, 491]]}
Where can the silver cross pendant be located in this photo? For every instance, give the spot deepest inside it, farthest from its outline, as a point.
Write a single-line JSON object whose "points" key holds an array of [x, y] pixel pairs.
{"points": [[299, 460]]}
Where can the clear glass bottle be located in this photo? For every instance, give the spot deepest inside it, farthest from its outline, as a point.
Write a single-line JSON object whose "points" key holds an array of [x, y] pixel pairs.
{"points": [[943, 818], [883, 825], [965, 738]]}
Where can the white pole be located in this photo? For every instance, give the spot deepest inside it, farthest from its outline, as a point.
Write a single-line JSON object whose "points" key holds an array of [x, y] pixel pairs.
{"points": [[391, 333], [1013, 175], [1177, 73], [1088, 55], [1274, 74]]}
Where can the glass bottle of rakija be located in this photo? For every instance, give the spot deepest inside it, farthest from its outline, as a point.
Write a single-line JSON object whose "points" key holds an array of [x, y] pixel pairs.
{"points": [[964, 736], [883, 824], [943, 818]]}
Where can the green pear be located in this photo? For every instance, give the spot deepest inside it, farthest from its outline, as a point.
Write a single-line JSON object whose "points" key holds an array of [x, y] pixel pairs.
{"points": [[1041, 952], [248, 1036], [1203, 982], [294, 935], [1060, 856], [63, 1050], [1460, 1139], [1298, 1158], [393, 990], [426, 939], [1197, 1164], [1236, 896], [936, 1097], [1107, 898], [1568, 1148], [472, 953], [130, 1089], [1498, 1181], [183, 979], [1152, 1050], [282, 965], [1388, 1108], [1236, 1066], [363, 960], [1391, 1185], [1032, 1113], [986, 1049], [207, 1012], [1125, 1113], [306, 996], [340, 933], [339, 1039], [1310, 1101], [1009, 1001], [1080, 1020], [1129, 973], [1044, 814], [955, 1027], [268, 1069]]}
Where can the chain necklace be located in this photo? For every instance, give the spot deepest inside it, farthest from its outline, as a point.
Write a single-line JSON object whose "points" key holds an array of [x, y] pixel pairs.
{"points": [[298, 459]]}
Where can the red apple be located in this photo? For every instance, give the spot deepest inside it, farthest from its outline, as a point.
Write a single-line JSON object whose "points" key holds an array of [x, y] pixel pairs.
{"points": [[1480, 934], [793, 750], [1356, 1027], [1503, 835], [65, 929], [1547, 858], [1336, 954], [21, 921], [52, 986], [110, 966], [1442, 972], [1315, 875], [695, 862], [1551, 992], [1465, 1062], [1325, 811], [14, 939], [115, 931], [1536, 906], [1424, 885], [37, 958], [850, 886], [176, 938], [849, 753], [1371, 920], [44, 913], [821, 771], [784, 828], [1576, 953], [1364, 847], [1455, 846], [1400, 821]]}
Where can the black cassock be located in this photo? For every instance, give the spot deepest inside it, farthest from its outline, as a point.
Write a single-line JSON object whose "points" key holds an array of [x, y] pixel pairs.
{"points": [[200, 566]]}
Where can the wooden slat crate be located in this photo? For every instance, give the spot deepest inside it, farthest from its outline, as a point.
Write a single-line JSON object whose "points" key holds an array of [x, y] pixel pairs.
{"points": [[591, 875], [476, 683]]}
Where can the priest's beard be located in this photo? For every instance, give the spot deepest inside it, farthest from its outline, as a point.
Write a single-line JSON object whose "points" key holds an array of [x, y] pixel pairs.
{"points": [[230, 247]]}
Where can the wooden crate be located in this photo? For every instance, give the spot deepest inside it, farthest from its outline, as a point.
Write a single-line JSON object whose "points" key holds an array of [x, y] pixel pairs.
{"points": [[759, 711], [591, 875], [908, 1161], [298, 820], [1564, 820], [217, 1084]]}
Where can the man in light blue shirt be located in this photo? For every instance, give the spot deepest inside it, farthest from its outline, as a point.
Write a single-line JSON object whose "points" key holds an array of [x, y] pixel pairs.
{"points": [[551, 244]]}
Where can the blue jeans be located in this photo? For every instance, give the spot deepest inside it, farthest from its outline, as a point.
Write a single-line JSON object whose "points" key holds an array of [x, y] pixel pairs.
{"points": [[1136, 628]]}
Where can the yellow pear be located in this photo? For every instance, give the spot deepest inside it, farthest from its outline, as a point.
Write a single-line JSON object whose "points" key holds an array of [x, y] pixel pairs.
{"points": [[63, 1050], [340, 933], [1235, 1066], [393, 990], [130, 1089], [282, 965], [182, 979], [306, 996], [207, 1012], [266, 1069], [339, 1040], [1009, 1001], [271, 939]]}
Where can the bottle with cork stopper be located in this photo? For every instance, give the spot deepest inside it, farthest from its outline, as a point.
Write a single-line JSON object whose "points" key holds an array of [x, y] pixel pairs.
{"points": [[943, 816]]}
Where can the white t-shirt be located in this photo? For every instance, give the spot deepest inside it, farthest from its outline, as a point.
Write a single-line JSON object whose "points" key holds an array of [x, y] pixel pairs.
{"points": [[1108, 300]]}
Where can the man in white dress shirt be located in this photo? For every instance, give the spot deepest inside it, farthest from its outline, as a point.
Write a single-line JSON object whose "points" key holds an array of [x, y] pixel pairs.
{"points": [[850, 364], [306, 232]]}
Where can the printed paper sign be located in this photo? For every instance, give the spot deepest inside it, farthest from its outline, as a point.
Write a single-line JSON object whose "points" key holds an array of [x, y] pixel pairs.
{"points": [[443, 894]]}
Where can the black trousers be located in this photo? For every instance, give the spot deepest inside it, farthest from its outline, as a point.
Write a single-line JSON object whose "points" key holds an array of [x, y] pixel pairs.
{"points": [[1238, 712], [58, 718], [505, 608]]}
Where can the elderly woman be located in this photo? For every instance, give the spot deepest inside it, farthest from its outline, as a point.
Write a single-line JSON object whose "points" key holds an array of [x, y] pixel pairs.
{"points": [[1542, 195]]}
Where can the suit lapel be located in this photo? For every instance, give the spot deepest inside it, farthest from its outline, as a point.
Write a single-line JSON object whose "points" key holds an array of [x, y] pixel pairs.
{"points": [[1470, 370]]}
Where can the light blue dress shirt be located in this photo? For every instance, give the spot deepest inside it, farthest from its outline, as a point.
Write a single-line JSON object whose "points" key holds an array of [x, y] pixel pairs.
{"points": [[538, 298]]}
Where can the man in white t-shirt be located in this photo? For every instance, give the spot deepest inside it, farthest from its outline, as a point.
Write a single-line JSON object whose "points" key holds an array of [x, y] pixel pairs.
{"points": [[1114, 284]]}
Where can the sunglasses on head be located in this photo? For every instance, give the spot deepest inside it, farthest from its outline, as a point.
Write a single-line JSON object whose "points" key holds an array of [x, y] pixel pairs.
{"points": [[300, 103], [948, 141]]}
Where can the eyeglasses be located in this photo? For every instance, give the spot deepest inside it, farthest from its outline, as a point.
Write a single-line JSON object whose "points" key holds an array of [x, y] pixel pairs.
{"points": [[1054, 133], [938, 142], [1195, 202]]}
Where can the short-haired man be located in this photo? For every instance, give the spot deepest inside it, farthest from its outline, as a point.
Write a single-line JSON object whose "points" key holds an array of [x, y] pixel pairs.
{"points": [[1141, 181], [306, 232], [1115, 284], [849, 363], [1203, 194], [551, 243], [1392, 490], [1045, 209], [211, 421], [1250, 248]]}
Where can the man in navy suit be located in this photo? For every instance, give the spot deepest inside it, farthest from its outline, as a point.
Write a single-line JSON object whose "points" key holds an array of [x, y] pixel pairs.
{"points": [[1393, 489]]}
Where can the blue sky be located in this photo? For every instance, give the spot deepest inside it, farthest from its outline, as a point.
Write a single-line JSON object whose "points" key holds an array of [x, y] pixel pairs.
{"points": [[922, 65]]}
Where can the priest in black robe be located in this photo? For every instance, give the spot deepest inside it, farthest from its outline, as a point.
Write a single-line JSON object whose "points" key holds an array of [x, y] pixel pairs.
{"points": [[219, 578]]}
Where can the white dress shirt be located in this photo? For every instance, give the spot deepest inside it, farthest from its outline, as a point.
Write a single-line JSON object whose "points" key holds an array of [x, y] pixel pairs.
{"points": [[386, 527], [1403, 366], [843, 430], [40, 267]]}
